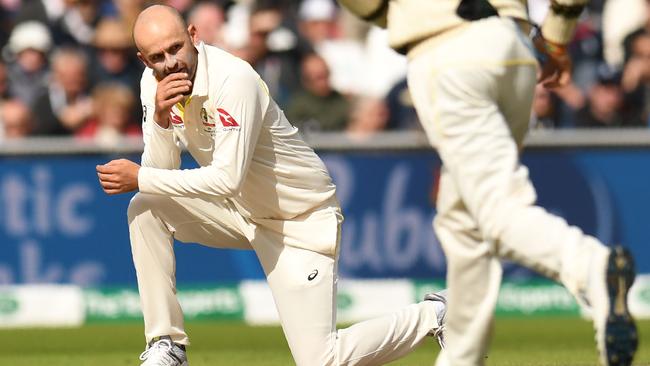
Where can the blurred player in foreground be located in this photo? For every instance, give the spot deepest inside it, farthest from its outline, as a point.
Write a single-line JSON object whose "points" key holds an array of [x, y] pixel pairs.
{"points": [[259, 186], [472, 72]]}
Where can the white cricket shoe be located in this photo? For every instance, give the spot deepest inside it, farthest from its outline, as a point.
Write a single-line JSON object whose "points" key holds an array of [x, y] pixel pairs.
{"points": [[439, 331], [164, 352], [616, 333]]}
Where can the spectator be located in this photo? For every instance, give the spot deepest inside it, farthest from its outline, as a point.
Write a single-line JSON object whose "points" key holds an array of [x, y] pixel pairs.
{"points": [[183, 6], [272, 51], [48, 12], [318, 26], [317, 107], [568, 99], [544, 113], [586, 51], [112, 58], [369, 115], [209, 18], [77, 25], [4, 95], [128, 11], [113, 106], [317, 21], [64, 107], [358, 62], [27, 67], [236, 30], [401, 111], [16, 120], [359, 66], [636, 75], [604, 106], [4, 84], [5, 26]]}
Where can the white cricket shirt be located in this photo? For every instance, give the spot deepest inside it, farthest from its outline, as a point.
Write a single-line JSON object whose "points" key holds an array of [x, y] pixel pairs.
{"points": [[247, 152], [414, 22]]}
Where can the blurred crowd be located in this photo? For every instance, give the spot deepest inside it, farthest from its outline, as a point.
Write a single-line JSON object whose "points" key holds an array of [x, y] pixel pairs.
{"points": [[69, 67]]}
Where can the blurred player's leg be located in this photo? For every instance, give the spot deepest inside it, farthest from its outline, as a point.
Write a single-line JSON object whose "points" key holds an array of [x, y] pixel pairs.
{"points": [[303, 284], [154, 221], [473, 278], [474, 97], [478, 146]]}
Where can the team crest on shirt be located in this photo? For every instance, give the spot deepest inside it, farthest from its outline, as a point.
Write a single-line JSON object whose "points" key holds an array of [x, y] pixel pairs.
{"points": [[208, 122], [227, 121]]}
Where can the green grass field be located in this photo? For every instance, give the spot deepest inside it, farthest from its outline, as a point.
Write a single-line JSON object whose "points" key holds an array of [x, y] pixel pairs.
{"points": [[541, 341]]}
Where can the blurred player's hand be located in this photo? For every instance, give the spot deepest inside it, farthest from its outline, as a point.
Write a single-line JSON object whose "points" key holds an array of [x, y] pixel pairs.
{"points": [[170, 91], [555, 63], [118, 176]]}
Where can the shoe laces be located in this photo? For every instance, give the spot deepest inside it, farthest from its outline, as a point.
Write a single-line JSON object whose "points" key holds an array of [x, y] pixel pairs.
{"points": [[441, 313], [439, 333], [158, 354]]}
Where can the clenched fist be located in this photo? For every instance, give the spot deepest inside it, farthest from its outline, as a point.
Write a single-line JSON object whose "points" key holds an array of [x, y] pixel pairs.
{"points": [[118, 176], [170, 91]]}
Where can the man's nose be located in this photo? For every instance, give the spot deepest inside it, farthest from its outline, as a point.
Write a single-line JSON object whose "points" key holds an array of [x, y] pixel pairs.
{"points": [[171, 62]]}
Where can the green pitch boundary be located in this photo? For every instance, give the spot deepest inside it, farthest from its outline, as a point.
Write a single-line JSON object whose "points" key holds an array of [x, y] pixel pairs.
{"points": [[543, 341]]}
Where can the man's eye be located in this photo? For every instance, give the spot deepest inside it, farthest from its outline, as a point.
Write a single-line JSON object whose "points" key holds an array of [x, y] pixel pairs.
{"points": [[156, 58]]}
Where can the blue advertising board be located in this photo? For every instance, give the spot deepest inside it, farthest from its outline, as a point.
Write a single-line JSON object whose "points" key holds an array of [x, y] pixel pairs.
{"points": [[57, 225]]}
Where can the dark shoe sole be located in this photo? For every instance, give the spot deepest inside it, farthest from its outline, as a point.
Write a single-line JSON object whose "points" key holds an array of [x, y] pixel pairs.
{"points": [[621, 337]]}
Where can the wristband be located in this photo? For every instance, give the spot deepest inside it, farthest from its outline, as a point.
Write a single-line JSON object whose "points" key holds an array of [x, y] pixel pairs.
{"points": [[555, 49]]}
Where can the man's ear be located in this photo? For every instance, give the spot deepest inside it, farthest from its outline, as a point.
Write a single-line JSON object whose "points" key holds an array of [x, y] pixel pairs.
{"points": [[141, 58], [194, 34]]}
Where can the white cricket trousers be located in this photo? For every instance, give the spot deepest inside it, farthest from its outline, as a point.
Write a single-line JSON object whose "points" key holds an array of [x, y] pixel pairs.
{"points": [[307, 308], [473, 92]]}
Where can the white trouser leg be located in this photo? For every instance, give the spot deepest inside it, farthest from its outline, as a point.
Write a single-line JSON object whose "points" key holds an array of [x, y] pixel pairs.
{"points": [[154, 221], [307, 307], [473, 96], [473, 278], [307, 310]]}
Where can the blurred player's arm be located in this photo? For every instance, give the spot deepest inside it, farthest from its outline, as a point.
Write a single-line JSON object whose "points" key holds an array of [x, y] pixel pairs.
{"points": [[245, 102], [374, 11], [560, 23], [558, 29]]}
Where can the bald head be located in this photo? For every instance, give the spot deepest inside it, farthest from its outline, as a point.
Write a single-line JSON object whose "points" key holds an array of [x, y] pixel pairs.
{"points": [[157, 19], [165, 43], [17, 119]]}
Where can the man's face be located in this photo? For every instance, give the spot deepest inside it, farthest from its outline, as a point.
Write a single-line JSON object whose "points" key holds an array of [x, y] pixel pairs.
{"points": [[170, 50], [209, 21], [17, 120], [70, 72], [316, 76]]}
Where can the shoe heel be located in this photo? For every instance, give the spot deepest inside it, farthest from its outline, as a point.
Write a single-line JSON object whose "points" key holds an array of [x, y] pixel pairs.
{"points": [[621, 337]]}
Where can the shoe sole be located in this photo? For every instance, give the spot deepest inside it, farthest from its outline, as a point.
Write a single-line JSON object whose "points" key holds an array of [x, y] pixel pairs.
{"points": [[621, 339]]}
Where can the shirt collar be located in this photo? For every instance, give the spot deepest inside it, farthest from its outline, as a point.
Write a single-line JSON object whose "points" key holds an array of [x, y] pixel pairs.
{"points": [[201, 78]]}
